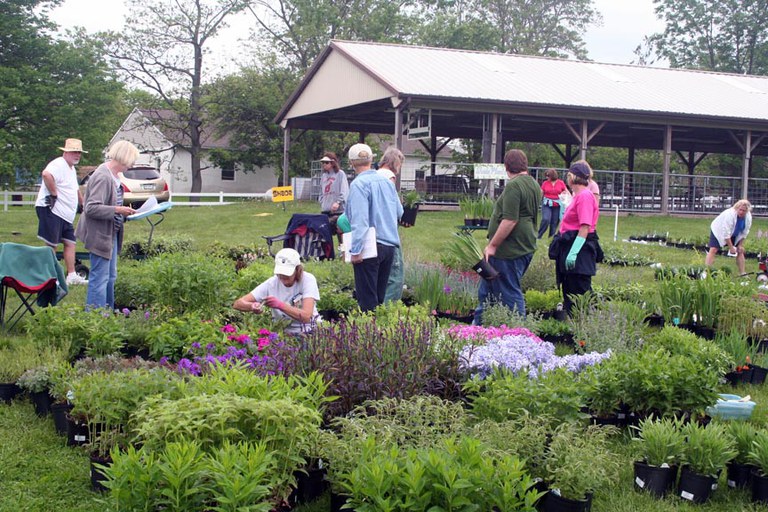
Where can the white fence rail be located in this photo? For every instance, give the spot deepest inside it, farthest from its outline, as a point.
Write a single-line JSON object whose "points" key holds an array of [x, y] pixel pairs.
{"points": [[27, 198]]}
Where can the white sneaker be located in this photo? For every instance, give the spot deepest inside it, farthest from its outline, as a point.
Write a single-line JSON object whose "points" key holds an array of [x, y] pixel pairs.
{"points": [[75, 279]]}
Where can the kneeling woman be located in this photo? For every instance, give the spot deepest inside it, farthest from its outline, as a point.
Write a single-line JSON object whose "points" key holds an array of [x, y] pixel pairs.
{"points": [[576, 250], [291, 293]]}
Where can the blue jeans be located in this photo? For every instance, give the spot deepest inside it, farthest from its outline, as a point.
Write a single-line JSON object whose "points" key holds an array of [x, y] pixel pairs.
{"points": [[101, 280], [550, 216], [506, 288], [396, 278]]}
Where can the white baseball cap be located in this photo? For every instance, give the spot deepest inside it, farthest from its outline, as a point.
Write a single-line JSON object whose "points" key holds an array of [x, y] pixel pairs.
{"points": [[360, 152], [286, 261]]}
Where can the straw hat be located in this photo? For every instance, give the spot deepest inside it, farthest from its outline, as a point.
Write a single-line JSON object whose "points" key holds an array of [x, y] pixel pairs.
{"points": [[72, 146]]}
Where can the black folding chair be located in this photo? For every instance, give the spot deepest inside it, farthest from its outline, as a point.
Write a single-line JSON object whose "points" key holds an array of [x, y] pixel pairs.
{"points": [[309, 234]]}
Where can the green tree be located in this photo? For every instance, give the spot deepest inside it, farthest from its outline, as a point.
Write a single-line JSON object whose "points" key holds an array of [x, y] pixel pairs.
{"points": [[552, 28], [298, 30], [49, 90], [162, 50], [718, 35]]}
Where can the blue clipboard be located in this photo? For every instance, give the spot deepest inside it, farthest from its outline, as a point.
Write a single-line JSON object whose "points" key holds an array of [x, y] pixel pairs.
{"points": [[160, 208]]}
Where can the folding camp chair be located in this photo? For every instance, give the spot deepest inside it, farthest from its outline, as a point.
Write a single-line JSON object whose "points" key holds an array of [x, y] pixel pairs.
{"points": [[309, 234], [29, 272]]}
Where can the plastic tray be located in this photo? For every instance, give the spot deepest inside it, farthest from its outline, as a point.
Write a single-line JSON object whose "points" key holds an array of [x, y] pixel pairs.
{"points": [[730, 408]]}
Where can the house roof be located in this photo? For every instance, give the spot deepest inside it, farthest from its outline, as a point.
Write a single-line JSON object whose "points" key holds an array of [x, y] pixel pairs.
{"points": [[356, 86], [172, 126]]}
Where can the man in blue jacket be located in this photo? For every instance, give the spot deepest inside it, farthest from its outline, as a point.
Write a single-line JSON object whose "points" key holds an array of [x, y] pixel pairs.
{"points": [[372, 203]]}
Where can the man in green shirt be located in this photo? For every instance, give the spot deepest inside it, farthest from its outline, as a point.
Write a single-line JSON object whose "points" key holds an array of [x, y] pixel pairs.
{"points": [[512, 236]]}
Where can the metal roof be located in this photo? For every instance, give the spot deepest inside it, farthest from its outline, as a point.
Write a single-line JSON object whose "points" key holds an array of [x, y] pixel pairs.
{"points": [[355, 86]]}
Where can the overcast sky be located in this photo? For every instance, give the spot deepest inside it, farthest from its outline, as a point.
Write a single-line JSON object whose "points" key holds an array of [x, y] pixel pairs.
{"points": [[625, 23]]}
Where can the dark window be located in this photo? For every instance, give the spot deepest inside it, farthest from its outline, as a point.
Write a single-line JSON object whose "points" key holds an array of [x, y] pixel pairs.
{"points": [[142, 173], [228, 174]]}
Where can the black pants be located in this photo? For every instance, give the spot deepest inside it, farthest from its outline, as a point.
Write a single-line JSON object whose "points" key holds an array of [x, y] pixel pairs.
{"points": [[371, 276], [574, 284]]}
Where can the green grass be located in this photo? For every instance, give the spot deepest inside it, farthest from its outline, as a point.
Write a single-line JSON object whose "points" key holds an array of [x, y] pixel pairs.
{"points": [[39, 473]]}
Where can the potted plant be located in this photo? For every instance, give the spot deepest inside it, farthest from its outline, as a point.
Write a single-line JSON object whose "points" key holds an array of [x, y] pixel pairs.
{"points": [[555, 331], [468, 207], [740, 468], [14, 361], [577, 463], [411, 201], [707, 450], [37, 381], [758, 456], [467, 252], [484, 211], [604, 388], [661, 445], [736, 345]]}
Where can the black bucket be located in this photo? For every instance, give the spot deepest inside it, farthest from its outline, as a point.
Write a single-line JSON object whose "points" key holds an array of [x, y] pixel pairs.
{"points": [[695, 487], [656, 480], [485, 270]]}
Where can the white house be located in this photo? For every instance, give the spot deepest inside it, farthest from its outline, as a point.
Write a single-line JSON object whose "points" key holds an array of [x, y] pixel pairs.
{"points": [[166, 147]]}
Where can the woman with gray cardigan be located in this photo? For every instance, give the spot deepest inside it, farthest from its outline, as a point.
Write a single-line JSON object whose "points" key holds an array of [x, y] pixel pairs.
{"points": [[101, 225]]}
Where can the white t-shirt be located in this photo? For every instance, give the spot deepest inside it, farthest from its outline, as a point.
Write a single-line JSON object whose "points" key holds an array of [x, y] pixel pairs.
{"points": [[292, 296], [66, 189]]}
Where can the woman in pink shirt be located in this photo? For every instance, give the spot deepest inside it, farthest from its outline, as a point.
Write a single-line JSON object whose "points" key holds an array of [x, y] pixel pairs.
{"points": [[576, 249], [550, 203]]}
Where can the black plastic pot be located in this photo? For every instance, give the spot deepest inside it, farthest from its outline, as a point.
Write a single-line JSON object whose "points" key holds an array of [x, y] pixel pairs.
{"points": [[9, 391], [552, 502], [735, 378], [409, 216], [656, 480], [739, 475], [759, 374], [310, 485], [42, 401], [695, 487], [77, 433], [338, 501], [97, 476], [759, 487], [485, 270], [59, 413]]}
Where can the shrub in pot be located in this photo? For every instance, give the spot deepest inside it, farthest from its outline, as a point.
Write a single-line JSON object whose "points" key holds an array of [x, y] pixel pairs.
{"points": [[182, 476], [758, 456], [740, 468], [707, 450], [578, 462], [454, 475], [660, 444]]}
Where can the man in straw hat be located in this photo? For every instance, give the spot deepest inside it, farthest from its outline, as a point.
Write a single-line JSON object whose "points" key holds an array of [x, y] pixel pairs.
{"points": [[57, 203]]}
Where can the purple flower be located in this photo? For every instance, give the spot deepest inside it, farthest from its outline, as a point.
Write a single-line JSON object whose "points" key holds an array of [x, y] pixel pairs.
{"points": [[210, 347], [195, 345], [146, 315], [126, 311], [447, 289]]}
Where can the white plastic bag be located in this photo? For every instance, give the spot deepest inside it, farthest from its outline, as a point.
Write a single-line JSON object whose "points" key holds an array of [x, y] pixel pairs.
{"points": [[565, 198]]}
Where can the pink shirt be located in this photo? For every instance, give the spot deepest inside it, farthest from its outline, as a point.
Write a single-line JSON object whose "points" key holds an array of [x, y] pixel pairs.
{"points": [[593, 187], [582, 210]]}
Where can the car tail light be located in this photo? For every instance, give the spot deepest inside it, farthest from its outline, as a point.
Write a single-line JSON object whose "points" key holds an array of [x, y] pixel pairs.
{"points": [[165, 188], [125, 187]]}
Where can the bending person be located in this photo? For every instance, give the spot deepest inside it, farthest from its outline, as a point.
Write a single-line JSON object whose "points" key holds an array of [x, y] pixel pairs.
{"points": [[291, 293], [730, 229]]}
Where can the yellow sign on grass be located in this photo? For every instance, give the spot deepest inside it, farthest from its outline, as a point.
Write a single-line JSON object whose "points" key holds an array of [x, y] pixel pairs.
{"points": [[282, 194]]}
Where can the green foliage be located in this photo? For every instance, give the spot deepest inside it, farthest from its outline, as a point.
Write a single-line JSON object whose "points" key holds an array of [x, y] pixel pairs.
{"points": [[608, 325], [463, 247], [553, 327], [707, 448], [161, 244], [738, 347], [579, 461], [682, 342], [49, 86], [456, 475], [134, 285], [758, 455], [604, 386], [411, 198], [504, 396], [540, 274], [743, 314], [525, 437], [173, 338], [108, 399], [744, 435], [20, 357], [660, 441], [541, 302], [496, 314], [191, 282]]}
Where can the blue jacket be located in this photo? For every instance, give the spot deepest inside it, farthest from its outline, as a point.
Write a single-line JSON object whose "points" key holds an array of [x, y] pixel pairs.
{"points": [[373, 202]]}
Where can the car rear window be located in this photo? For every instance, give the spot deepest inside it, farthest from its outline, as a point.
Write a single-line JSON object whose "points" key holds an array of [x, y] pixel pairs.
{"points": [[142, 174]]}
